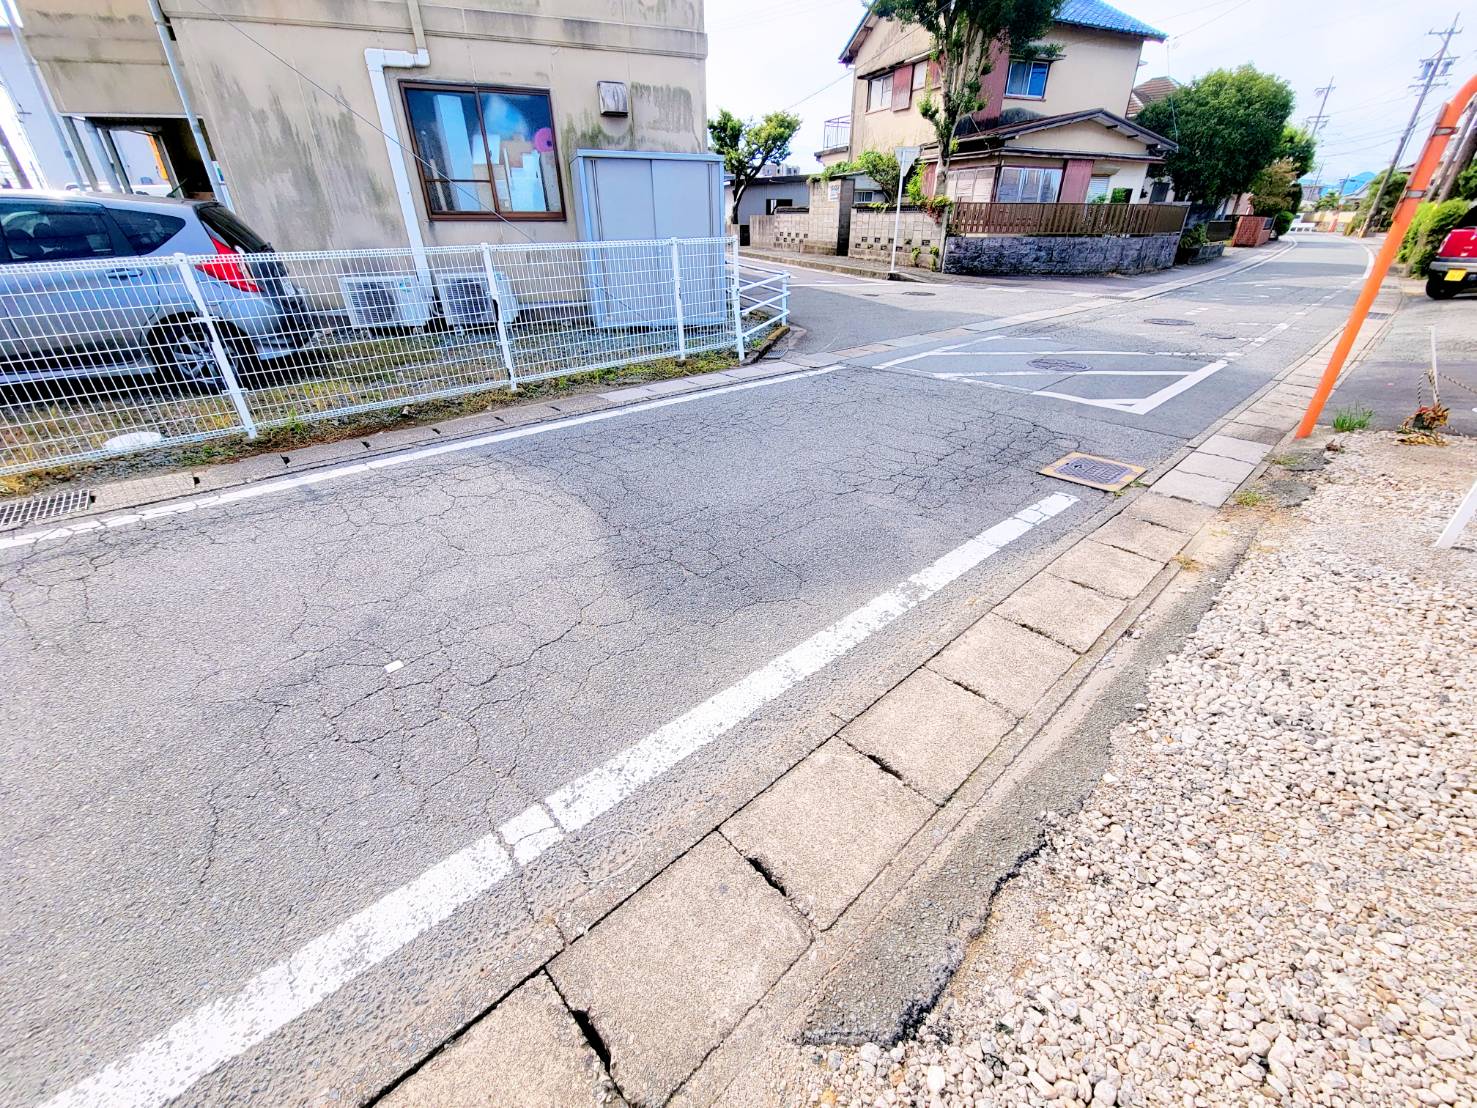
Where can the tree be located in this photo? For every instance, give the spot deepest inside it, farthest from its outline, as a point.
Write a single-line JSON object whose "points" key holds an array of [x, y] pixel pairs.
{"points": [[748, 146], [965, 34], [1228, 124], [1272, 188], [1329, 202], [882, 168], [1299, 147], [1379, 219]]}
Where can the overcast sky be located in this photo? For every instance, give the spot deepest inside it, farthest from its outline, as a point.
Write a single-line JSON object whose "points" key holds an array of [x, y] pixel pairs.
{"points": [[765, 55]]}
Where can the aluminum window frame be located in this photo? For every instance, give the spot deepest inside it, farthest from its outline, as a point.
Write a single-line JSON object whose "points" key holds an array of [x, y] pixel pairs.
{"points": [[1030, 64], [497, 214]]}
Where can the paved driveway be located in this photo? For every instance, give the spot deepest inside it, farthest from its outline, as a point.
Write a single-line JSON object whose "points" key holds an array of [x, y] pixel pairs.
{"points": [[229, 730]]}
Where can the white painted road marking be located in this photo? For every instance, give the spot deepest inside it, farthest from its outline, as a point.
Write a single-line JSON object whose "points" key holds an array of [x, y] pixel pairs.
{"points": [[391, 667], [333, 473], [163, 1068]]}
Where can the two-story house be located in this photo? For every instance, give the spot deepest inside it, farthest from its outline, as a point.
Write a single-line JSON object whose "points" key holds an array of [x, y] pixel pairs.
{"points": [[1052, 128], [359, 124]]}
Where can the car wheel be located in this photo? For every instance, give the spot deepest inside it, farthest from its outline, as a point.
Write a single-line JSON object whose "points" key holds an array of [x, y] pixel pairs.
{"points": [[1437, 289], [184, 353]]}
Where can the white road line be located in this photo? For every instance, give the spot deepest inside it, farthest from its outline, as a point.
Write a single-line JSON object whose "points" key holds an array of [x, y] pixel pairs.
{"points": [[391, 667], [582, 800], [334, 473], [163, 1068]]}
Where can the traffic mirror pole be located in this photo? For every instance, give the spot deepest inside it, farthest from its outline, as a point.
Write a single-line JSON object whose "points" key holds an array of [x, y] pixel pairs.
{"points": [[1415, 191]]}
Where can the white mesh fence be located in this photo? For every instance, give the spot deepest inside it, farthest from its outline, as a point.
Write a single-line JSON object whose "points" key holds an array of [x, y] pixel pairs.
{"points": [[99, 358]]}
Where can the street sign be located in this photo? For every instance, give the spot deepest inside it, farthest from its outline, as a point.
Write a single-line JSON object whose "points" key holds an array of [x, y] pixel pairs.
{"points": [[906, 156]]}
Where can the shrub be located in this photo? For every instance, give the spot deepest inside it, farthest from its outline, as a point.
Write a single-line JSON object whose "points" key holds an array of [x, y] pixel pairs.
{"points": [[1431, 224], [1121, 196], [1192, 238], [1281, 222]]}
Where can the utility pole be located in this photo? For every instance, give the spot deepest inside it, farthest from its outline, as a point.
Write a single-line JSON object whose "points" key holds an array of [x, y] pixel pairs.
{"points": [[1432, 68], [1317, 122], [1466, 146]]}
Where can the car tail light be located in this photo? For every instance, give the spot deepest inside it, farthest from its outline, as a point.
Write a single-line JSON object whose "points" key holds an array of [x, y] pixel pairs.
{"points": [[227, 267]]}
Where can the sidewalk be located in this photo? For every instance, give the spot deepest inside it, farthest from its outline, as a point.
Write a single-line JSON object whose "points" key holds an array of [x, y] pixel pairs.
{"points": [[1270, 896]]}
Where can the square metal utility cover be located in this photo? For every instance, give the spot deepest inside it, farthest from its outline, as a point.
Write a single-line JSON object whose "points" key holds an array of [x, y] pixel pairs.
{"points": [[1094, 472]]}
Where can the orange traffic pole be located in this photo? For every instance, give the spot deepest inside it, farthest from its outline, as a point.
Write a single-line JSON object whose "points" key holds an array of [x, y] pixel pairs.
{"points": [[1415, 191]]}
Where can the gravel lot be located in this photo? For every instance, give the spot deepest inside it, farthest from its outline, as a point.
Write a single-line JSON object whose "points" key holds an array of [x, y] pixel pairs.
{"points": [[1272, 895]]}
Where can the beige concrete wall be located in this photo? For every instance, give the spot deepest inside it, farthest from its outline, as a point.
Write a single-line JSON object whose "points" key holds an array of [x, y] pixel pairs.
{"points": [[310, 174], [1096, 70], [1079, 138], [889, 43]]}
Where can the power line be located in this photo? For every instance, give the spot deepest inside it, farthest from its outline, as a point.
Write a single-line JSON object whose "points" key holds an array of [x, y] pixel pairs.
{"points": [[1431, 69], [1213, 19]]}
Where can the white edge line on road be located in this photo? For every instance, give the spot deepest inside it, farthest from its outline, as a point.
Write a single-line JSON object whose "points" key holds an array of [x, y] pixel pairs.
{"points": [[333, 473], [162, 1068]]}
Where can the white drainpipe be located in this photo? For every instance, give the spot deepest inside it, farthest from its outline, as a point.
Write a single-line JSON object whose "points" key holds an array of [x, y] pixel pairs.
{"points": [[377, 61]]}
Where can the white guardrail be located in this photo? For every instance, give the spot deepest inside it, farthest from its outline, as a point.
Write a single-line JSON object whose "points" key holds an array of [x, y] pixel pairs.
{"points": [[125, 354]]}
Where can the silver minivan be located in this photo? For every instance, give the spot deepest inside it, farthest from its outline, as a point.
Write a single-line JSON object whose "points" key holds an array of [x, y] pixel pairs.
{"points": [[87, 290]]}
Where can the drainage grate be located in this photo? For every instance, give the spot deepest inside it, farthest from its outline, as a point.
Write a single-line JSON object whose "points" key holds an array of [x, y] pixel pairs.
{"points": [[36, 508], [1170, 322], [915, 292], [1058, 365], [1093, 471]]}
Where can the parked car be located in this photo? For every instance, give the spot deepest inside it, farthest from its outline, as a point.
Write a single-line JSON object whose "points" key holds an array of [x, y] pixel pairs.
{"points": [[1455, 265], [103, 313]]}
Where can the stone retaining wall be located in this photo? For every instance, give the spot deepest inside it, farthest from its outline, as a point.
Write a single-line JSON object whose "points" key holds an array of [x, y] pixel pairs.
{"points": [[994, 255]]}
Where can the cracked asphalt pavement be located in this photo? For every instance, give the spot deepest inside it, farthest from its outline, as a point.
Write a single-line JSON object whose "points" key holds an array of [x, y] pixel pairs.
{"points": [[209, 763]]}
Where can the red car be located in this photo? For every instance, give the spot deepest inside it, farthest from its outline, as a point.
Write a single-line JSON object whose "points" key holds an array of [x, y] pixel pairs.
{"points": [[1455, 265]]}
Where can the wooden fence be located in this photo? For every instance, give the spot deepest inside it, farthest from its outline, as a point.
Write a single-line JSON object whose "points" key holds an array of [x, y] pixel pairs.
{"points": [[1067, 219]]}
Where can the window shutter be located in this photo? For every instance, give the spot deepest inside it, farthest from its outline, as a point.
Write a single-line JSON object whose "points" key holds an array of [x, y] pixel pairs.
{"points": [[902, 88]]}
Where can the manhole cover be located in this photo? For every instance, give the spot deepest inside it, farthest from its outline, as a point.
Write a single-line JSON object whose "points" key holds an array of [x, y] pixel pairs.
{"points": [[916, 292], [35, 508], [1057, 365], [1098, 473], [1169, 322]]}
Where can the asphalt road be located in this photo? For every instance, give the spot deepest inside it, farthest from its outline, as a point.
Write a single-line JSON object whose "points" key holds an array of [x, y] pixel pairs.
{"points": [[214, 756]]}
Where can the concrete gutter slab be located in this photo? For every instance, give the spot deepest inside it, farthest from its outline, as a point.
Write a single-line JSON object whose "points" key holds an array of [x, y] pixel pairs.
{"points": [[1214, 465], [1240, 449], [1069, 613], [526, 1053], [930, 731], [1139, 536], [1192, 486], [1106, 569], [721, 937], [1004, 662], [824, 830]]}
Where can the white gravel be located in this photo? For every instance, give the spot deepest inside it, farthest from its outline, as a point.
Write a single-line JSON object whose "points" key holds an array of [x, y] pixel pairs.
{"points": [[1271, 897]]}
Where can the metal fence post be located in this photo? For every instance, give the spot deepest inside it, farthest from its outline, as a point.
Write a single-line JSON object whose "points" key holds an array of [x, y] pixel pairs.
{"points": [[222, 360], [677, 302], [502, 325], [738, 315]]}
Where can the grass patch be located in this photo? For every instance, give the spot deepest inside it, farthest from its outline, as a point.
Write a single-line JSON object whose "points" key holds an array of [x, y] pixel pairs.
{"points": [[78, 418], [1250, 498], [1352, 419], [1187, 563], [1285, 460]]}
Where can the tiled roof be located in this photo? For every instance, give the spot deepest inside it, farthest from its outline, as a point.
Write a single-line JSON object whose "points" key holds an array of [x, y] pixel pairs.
{"points": [[1105, 17]]}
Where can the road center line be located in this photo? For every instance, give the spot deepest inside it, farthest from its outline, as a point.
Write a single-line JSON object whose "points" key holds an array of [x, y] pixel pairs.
{"points": [[333, 473], [162, 1068]]}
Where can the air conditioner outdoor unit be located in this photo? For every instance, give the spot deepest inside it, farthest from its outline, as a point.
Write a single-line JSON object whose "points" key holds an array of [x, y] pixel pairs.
{"points": [[465, 301], [399, 301]]}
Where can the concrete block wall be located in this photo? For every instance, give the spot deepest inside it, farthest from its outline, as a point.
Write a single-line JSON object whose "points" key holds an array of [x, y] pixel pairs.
{"points": [[993, 255], [871, 235]]}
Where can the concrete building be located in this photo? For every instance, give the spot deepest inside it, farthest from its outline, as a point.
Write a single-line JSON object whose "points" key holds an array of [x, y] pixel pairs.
{"points": [[360, 123], [1052, 129]]}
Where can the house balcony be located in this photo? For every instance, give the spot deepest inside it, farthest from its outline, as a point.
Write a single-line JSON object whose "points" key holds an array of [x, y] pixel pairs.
{"points": [[836, 135]]}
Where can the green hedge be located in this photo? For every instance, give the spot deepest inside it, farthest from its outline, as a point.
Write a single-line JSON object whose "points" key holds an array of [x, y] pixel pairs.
{"points": [[1281, 222], [1430, 226]]}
